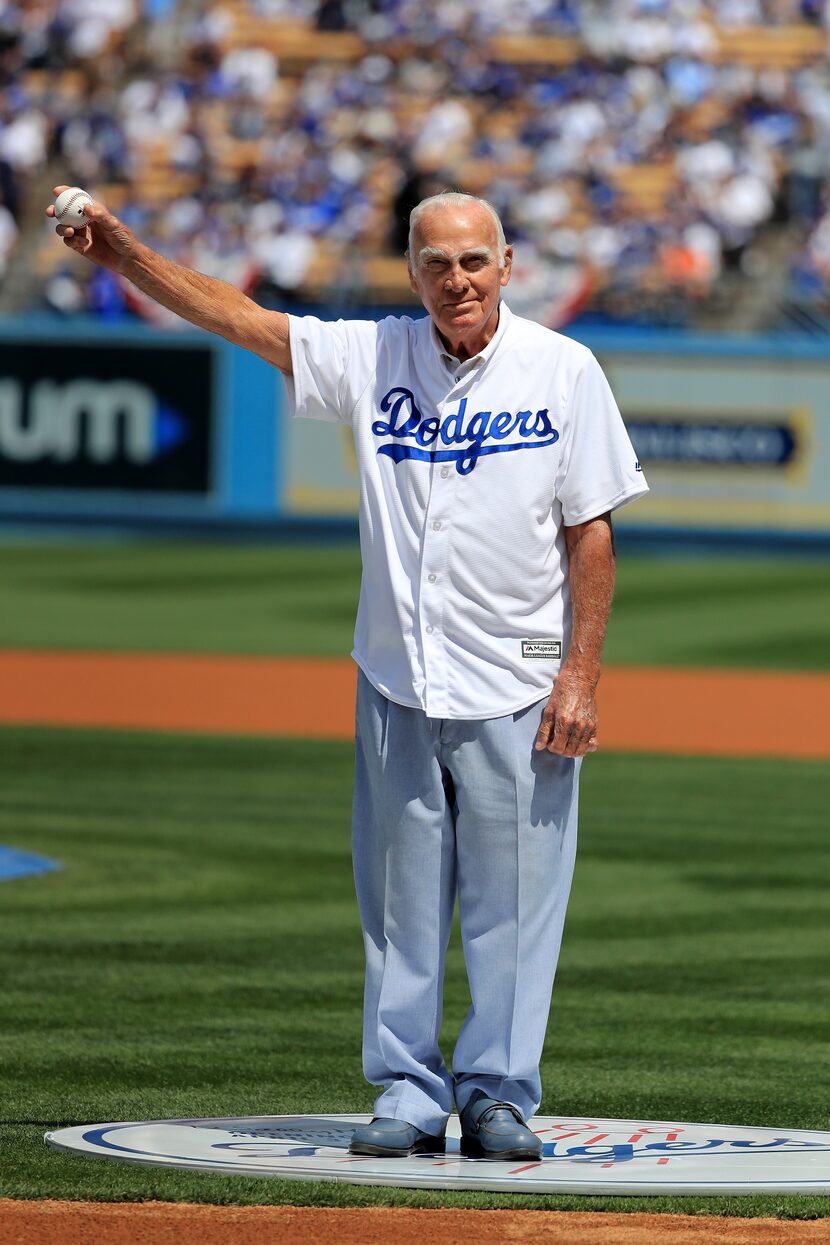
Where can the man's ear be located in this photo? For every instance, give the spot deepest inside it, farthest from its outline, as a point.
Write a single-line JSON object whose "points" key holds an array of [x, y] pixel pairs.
{"points": [[508, 265], [413, 281]]}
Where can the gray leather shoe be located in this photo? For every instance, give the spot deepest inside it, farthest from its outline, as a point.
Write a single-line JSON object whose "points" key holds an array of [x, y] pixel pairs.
{"points": [[496, 1130], [394, 1139]]}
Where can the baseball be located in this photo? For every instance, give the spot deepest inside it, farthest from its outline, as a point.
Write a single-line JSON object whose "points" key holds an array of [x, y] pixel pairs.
{"points": [[69, 207]]}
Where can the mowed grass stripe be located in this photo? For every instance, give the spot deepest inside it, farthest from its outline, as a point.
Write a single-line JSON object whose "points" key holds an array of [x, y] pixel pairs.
{"points": [[765, 613], [201, 954]]}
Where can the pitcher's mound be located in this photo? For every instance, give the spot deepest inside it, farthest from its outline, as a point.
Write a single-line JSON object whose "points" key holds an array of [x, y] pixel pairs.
{"points": [[580, 1156]]}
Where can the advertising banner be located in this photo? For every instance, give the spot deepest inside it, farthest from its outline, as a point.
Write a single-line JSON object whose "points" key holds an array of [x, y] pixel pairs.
{"points": [[96, 416], [727, 442]]}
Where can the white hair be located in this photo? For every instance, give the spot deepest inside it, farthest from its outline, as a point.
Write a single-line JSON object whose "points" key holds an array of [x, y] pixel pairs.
{"points": [[456, 198]]}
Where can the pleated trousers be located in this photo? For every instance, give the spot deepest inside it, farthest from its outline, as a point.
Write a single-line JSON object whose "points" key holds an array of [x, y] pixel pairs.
{"points": [[447, 809]]}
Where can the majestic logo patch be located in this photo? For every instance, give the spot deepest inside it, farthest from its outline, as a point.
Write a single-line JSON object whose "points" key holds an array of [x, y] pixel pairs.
{"points": [[459, 437], [544, 650]]}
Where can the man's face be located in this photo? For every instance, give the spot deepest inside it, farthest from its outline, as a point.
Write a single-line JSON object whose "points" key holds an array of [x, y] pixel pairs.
{"points": [[454, 268]]}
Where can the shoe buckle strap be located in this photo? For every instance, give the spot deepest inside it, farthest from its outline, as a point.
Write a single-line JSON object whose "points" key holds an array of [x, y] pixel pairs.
{"points": [[499, 1106]]}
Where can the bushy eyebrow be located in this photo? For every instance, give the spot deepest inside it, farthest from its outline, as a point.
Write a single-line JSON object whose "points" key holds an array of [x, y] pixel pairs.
{"points": [[427, 253]]}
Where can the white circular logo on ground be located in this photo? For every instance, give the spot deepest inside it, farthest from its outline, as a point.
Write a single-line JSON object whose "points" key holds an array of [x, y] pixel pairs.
{"points": [[579, 1156]]}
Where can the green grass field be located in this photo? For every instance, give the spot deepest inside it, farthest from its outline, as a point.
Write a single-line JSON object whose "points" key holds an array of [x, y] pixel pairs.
{"points": [[200, 953], [755, 613]]}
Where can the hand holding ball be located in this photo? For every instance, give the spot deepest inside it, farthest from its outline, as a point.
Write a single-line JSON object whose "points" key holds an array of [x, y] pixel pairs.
{"points": [[70, 205], [99, 237]]}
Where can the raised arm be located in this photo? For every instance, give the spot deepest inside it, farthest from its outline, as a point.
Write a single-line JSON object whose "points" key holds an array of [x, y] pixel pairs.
{"points": [[569, 721], [211, 304]]}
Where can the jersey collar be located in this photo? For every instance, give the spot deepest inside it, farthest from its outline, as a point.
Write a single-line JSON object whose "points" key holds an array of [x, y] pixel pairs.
{"points": [[452, 364]]}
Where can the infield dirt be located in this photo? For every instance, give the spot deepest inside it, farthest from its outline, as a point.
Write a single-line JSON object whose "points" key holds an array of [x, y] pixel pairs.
{"points": [[165, 1223], [642, 709]]}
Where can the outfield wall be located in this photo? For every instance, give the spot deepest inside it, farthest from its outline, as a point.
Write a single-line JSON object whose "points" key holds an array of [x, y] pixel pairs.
{"points": [[113, 422], [102, 423]]}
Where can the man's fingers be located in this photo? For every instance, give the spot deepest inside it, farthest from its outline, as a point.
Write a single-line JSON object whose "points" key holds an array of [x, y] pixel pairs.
{"points": [[574, 748], [583, 744], [573, 738], [569, 723], [573, 730], [73, 235], [561, 736], [101, 215], [546, 727], [555, 732]]}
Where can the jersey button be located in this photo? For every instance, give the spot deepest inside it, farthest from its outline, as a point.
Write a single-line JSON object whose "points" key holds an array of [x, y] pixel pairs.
{"points": [[445, 471], [430, 630], [432, 578], [436, 527]]}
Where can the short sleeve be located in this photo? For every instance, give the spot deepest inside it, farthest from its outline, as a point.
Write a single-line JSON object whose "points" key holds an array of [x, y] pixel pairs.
{"points": [[332, 363], [599, 470]]}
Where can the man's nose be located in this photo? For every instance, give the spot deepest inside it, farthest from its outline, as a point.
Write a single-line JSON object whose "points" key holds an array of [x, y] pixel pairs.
{"points": [[456, 279]]}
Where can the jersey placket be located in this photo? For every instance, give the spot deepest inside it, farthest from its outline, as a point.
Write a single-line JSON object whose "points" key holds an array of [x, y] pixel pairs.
{"points": [[433, 585]]}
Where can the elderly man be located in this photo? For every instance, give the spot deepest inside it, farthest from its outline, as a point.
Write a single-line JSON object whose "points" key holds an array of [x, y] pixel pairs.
{"points": [[491, 454]]}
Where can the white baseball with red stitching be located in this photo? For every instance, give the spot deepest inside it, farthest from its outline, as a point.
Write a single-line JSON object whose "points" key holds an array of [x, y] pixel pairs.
{"points": [[69, 207]]}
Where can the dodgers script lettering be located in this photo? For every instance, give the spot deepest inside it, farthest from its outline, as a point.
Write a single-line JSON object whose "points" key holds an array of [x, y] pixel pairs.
{"points": [[460, 437]]}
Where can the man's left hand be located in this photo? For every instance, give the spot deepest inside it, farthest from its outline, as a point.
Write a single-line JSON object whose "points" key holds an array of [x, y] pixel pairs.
{"points": [[569, 720]]}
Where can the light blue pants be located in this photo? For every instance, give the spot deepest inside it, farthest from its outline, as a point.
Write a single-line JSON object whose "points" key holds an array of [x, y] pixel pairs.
{"points": [[444, 807]]}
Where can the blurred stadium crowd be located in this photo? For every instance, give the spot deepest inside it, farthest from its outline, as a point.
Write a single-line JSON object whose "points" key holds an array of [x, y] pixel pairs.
{"points": [[636, 148]]}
